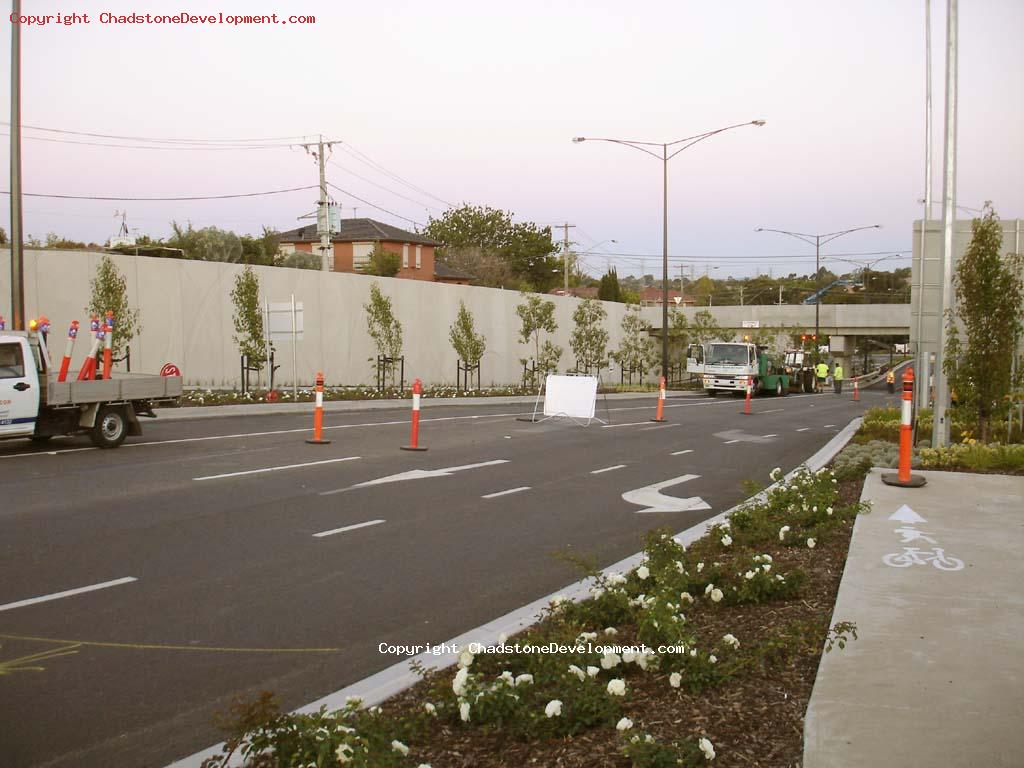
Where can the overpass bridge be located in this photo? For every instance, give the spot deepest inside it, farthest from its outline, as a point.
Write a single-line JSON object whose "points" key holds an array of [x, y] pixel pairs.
{"points": [[835, 319]]}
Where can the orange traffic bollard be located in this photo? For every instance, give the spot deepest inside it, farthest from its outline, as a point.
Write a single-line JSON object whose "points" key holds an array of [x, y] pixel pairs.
{"points": [[414, 440], [108, 346], [746, 405], [661, 401], [903, 477], [318, 413], [856, 391], [65, 363], [88, 369]]}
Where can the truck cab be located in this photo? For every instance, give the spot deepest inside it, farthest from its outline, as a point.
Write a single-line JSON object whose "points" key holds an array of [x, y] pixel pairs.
{"points": [[19, 385], [728, 366]]}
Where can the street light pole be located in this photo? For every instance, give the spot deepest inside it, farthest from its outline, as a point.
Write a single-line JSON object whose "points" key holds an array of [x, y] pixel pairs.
{"points": [[817, 242], [17, 252], [689, 141]]}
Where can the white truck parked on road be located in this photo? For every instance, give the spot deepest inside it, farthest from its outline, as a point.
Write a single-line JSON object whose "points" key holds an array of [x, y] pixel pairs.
{"points": [[727, 366], [33, 404]]}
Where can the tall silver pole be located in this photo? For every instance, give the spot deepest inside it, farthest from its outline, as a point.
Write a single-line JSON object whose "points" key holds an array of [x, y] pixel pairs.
{"points": [[664, 264], [940, 430], [17, 253], [323, 218], [922, 353], [817, 298]]}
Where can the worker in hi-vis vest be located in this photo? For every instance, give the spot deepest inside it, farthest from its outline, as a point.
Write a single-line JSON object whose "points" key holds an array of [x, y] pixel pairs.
{"points": [[821, 374], [890, 381], [837, 377]]}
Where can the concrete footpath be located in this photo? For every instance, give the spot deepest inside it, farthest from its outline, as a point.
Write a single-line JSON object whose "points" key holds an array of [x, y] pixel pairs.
{"points": [[935, 584]]}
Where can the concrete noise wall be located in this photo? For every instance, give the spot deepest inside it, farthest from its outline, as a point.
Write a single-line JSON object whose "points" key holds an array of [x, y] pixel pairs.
{"points": [[186, 317]]}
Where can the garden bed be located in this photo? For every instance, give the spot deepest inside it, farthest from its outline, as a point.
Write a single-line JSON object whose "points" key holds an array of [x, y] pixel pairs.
{"points": [[750, 604]]}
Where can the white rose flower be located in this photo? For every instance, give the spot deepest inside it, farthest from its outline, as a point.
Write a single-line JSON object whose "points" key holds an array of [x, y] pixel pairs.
{"points": [[642, 572], [430, 708], [596, 592], [592, 671], [675, 679], [782, 532], [459, 683], [716, 595], [611, 631], [617, 687], [624, 724], [524, 680], [686, 597], [726, 540], [707, 748], [811, 543], [708, 588], [749, 575], [343, 753], [730, 639], [713, 659], [554, 708], [399, 747], [615, 578], [586, 636], [466, 657], [628, 657], [766, 567], [353, 701], [578, 672], [767, 558], [693, 653], [464, 711], [557, 600], [506, 676], [775, 473], [700, 567], [679, 567], [610, 660]]}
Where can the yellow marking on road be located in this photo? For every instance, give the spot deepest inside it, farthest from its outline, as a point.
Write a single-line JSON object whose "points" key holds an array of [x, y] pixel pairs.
{"points": [[19, 664], [162, 647]]}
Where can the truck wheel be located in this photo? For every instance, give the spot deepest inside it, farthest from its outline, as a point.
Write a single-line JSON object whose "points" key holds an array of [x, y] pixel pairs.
{"points": [[711, 392], [111, 427], [40, 438], [778, 388]]}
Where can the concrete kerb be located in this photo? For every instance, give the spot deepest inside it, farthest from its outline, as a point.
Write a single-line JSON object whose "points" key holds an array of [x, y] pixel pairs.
{"points": [[188, 413], [399, 676]]}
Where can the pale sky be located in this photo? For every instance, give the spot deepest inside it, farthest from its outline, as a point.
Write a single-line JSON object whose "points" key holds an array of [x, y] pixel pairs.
{"points": [[478, 102]]}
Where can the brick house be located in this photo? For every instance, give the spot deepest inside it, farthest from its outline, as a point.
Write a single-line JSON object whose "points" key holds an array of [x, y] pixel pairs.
{"points": [[354, 242]]}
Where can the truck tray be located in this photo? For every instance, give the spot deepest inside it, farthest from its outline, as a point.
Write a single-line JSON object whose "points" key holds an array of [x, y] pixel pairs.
{"points": [[122, 386]]}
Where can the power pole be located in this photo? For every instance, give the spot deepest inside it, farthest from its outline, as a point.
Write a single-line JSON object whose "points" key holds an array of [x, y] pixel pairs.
{"points": [[565, 254], [323, 215], [741, 295], [17, 254], [780, 294]]}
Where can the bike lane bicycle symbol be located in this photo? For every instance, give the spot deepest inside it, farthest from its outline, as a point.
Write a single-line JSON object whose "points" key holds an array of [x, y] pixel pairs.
{"points": [[914, 556]]}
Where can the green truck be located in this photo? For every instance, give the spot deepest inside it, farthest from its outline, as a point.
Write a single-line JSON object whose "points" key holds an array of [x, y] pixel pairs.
{"points": [[727, 366]]}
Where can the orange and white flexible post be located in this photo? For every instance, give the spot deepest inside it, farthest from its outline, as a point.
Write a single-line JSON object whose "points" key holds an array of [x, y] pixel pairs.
{"points": [[414, 439], [69, 348], [856, 391], [750, 389], [318, 413], [661, 401], [903, 477], [88, 369], [108, 346]]}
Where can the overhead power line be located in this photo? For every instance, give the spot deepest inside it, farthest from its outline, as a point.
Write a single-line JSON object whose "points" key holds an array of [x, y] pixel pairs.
{"points": [[367, 160], [381, 186], [164, 199], [287, 139], [374, 205]]}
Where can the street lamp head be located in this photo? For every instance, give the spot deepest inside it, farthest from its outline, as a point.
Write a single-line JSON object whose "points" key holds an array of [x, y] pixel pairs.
{"points": [[759, 229], [757, 122], [578, 139]]}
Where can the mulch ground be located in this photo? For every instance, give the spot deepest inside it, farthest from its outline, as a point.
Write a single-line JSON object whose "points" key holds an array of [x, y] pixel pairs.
{"points": [[753, 720]]}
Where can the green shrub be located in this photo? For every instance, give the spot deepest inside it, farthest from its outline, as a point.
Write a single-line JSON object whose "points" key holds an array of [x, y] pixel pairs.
{"points": [[856, 460], [993, 457]]}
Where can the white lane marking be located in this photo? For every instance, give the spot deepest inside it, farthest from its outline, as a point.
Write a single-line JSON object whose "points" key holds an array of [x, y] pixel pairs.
{"points": [[277, 469], [658, 426], [803, 429], [773, 410], [505, 493], [763, 436], [347, 528], [631, 424], [607, 469], [829, 425], [653, 500], [680, 453], [730, 442], [417, 474], [67, 593]]}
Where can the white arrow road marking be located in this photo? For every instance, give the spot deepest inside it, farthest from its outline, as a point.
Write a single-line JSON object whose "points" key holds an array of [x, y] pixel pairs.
{"points": [[651, 497], [417, 474], [739, 436], [906, 515], [506, 493]]}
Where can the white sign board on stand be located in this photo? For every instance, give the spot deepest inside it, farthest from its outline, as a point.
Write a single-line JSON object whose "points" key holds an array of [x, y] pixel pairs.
{"points": [[573, 397], [284, 323]]}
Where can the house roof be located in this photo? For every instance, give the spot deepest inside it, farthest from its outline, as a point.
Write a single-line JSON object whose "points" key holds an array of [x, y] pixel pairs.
{"points": [[444, 272], [357, 230]]}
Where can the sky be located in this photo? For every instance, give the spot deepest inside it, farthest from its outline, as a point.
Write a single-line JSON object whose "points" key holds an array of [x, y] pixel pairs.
{"points": [[450, 102]]}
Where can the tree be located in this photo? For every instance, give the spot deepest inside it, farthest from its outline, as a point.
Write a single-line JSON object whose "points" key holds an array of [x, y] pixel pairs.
{"points": [[705, 328], [538, 316], [3, 236], [109, 291], [384, 329], [679, 334], [207, 244], [487, 267], [525, 247], [609, 289], [589, 340], [988, 300], [382, 263], [468, 345], [260, 250], [637, 351], [248, 317], [298, 260]]}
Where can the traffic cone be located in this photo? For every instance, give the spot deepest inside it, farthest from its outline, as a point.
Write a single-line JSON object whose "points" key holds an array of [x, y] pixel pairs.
{"points": [[746, 404], [414, 440], [903, 478], [88, 369], [856, 392], [318, 413], [661, 401], [108, 347], [69, 347]]}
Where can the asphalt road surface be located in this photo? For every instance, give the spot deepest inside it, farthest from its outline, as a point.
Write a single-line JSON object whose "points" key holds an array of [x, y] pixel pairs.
{"points": [[229, 556]]}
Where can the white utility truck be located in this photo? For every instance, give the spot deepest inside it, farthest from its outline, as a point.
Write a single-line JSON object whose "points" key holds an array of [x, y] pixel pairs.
{"points": [[727, 366], [33, 404]]}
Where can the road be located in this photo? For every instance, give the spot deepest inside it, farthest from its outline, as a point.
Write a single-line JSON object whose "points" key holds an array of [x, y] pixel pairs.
{"points": [[213, 580]]}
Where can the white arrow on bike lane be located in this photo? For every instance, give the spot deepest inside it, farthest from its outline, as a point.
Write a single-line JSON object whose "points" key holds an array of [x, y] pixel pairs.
{"points": [[651, 497], [906, 515]]}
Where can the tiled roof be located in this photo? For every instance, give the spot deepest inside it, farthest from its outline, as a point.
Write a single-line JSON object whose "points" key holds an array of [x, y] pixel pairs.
{"points": [[445, 272], [357, 230]]}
